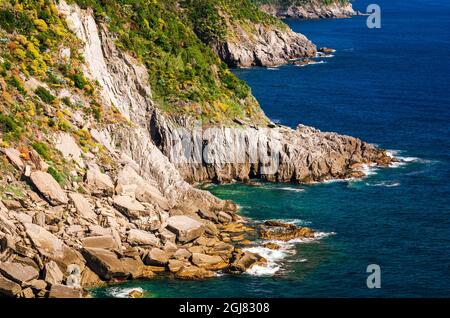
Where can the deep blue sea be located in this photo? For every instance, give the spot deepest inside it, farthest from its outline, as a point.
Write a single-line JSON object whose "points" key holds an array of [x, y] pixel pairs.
{"points": [[388, 86]]}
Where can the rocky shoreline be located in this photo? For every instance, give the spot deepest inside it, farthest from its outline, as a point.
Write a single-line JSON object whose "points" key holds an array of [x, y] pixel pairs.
{"points": [[133, 211]]}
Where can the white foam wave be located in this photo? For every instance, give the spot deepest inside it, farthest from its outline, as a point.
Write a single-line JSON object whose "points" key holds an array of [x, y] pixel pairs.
{"points": [[384, 184], [276, 257], [402, 161], [273, 68], [291, 189], [118, 292]]}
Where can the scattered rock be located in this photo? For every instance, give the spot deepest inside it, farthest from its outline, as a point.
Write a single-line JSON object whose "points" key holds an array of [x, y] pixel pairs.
{"points": [[208, 262], [128, 206], [12, 204], [104, 242], [53, 248], [69, 148], [272, 246], [53, 274], [245, 261], [61, 291], [105, 263], [136, 293], [82, 206], [13, 156], [156, 257], [8, 287], [49, 188], [186, 228], [191, 272], [139, 237], [98, 182], [224, 217], [28, 293], [18, 272]]}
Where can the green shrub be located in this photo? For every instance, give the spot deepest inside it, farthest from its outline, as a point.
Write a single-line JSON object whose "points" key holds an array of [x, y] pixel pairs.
{"points": [[42, 149], [8, 124], [45, 95], [60, 177]]}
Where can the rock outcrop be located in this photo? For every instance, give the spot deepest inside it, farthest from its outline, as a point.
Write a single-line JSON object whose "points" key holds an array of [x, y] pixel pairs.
{"points": [[266, 45], [311, 9]]}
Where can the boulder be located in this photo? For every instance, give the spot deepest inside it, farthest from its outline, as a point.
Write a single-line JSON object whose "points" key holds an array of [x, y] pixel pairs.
{"points": [[156, 257], [191, 272], [208, 215], [134, 266], [208, 261], [129, 182], [99, 183], [18, 272], [53, 274], [62, 291], [136, 293], [272, 246], [224, 217], [245, 261], [175, 265], [287, 233], [49, 188], [82, 206], [128, 206], [37, 284], [167, 236], [69, 148], [89, 279], [182, 253], [139, 237], [105, 263], [53, 248], [12, 204], [28, 293], [104, 242], [186, 228], [13, 156], [8, 287]]}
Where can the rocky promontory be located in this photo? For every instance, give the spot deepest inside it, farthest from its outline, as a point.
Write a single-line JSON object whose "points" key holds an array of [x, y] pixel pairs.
{"points": [[311, 9], [267, 45]]}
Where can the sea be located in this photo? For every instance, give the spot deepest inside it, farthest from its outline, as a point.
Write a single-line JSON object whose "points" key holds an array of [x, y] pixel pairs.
{"points": [[388, 86]]}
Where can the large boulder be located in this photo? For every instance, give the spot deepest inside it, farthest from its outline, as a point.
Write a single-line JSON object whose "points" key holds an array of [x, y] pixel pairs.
{"points": [[52, 247], [129, 182], [49, 188], [139, 237], [99, 183], [104, 241], [186, 228], [245, 261], [69, 148], [82, 206], [9, 288], [105, 263], [62, 291], [18, 272], [108, 265], [128, 206], [52, 273], [13, 156], [156, 257], [191, 272], [208, 261]]}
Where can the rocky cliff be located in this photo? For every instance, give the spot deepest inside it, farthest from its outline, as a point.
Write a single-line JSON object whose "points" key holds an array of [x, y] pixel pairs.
{"points": [[310, 9], [97, 185], [265, 45]]}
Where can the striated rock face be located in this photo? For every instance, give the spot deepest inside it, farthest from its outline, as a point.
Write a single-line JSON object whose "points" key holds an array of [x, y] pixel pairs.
{"points": [[274, 154], [266, 46], [312, 9]]}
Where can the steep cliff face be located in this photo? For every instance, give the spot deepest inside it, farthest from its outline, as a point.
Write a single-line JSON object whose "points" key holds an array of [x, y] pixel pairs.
{"points": [[266, 45], [309, 9], [198, 154], [124, 84]]}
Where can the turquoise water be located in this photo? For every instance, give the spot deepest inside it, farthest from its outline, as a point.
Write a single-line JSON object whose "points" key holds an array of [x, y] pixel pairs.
{"points": [[389, 87]]}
